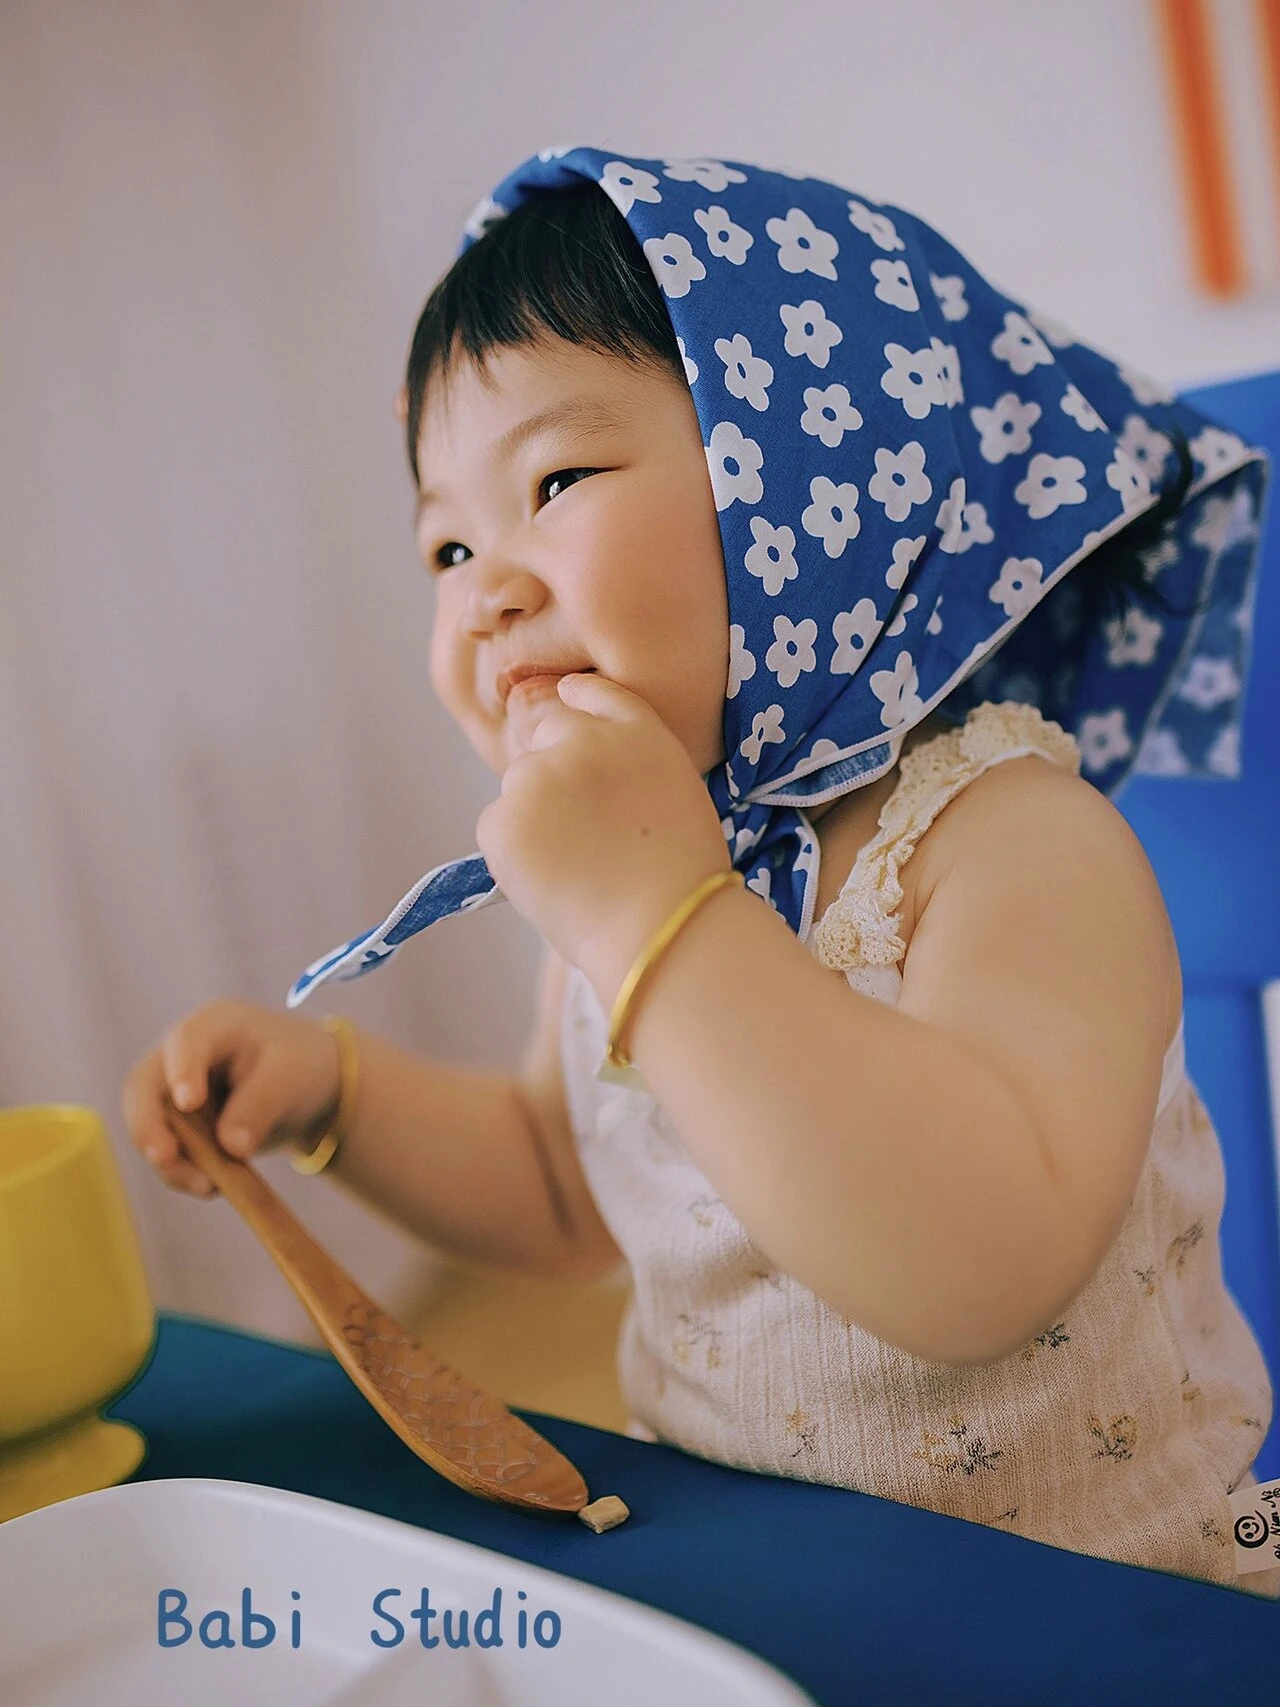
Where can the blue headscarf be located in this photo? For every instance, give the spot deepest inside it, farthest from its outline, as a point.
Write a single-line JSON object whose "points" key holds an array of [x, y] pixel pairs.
{"points": [[907, 464]]}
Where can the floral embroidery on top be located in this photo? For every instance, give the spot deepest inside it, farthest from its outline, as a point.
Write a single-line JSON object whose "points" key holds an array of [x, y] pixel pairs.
{"points": [[860, 927], [697, 1330], [1050, 1340], [801, 1427], [971, 1457], [1184, 1243], [1119, 1440], [1148, 1278]]}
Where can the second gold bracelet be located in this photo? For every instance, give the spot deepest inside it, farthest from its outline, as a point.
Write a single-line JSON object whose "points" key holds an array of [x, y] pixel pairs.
{"points": [[648, 957], [322, 1152]]}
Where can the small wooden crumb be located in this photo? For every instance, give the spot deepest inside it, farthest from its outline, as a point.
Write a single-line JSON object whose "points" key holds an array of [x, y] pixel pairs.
{"points": [[606, 1513]]}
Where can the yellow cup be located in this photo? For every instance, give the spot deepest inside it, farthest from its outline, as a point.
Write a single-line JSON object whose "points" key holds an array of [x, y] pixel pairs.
{"points": [[76, 1319]]}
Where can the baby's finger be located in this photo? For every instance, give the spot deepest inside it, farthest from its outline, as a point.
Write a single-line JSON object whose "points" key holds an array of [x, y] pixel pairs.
{"points": [[193, 1049], [142, 1098], [183, 1175]]}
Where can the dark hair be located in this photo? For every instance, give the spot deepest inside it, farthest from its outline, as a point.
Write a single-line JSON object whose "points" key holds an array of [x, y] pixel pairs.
{"points": [[567, 262], [564, 262]]}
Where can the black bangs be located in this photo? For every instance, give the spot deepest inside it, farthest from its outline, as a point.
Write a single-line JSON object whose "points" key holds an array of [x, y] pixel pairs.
{"points": [[566, 263]]}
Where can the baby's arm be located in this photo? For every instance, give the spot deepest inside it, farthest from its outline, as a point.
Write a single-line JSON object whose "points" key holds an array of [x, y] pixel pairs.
{"points": [[947, 1174], [481, 1164]]}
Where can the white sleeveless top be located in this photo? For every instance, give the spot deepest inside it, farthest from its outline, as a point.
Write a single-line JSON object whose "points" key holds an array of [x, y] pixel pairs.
{"points": [[1119, 1431]]}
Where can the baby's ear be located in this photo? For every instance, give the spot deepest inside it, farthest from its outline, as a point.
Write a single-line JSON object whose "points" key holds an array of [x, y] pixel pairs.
{"points": [[401, 405]]}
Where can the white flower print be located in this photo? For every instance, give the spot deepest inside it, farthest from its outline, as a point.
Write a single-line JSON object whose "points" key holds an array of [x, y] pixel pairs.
{"points": [[761, 884], [1050, 482], [792, 654], [1160, 755], [625, 185], [809, 331], [730, 444], [1066, 610], [726, 240], [742, 664], [1218, 451], [1132, 639], [745, 840], [914, 378], [484, 214], [905, 552], [1210, 682], [833, 515], [949, 291], [556, 151], [877, 226], [772, 558], [1103, 739], [934, 624], [690, 366], [1053, 331], [1128, 480], [711, 175], [894, 284], [803, 247], [1145, 391], [766, 726], [1074, 403], [673, 263], [853, 631], [900, 482], [830, 414], [961, 524], [1226, 521], [899, 623], [1018, 589], [825, 751], [1005, 427], [1148, 448], [948, 372], [745, 375], [1025, 688], [1020, 345], [896, 691], [1159, 557], [1223, 757]]}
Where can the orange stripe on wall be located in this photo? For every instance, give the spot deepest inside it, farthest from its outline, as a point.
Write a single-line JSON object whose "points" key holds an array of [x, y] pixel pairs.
{"points": [[1269, 37], [1197, 102]]}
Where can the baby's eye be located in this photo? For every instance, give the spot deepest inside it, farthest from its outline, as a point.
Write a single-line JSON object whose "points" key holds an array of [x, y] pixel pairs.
{"points": [[444, 558], [559, 475]]}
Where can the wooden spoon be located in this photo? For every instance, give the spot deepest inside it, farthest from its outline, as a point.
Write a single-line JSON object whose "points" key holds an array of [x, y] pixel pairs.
{"points": [[452, 1425]]}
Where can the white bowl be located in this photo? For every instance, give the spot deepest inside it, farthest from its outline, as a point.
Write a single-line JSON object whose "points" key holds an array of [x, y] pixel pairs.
{"points": [[80, 1614]]}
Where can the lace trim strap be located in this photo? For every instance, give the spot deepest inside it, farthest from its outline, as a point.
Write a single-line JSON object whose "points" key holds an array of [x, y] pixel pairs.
{"points": [[860, 927]]}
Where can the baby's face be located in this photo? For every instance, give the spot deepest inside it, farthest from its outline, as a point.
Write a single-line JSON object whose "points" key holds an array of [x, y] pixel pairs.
{"points": [[615, 566]]}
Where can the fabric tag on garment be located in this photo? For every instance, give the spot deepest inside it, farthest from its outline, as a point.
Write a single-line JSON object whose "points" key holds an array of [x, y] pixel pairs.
{"points": [[629, 1077], [1255, 1524]]}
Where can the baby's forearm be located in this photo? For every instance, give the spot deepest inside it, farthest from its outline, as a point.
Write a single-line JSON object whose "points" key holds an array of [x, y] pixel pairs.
{"points": [[870, 1154], [452, 1157]]}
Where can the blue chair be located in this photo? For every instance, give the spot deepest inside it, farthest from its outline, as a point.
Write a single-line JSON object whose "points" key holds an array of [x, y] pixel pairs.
{"points": [[1215, 847]]}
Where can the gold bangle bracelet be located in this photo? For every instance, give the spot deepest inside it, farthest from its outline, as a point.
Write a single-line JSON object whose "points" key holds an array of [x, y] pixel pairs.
{"points": [[648, 957], [314, 1160]]}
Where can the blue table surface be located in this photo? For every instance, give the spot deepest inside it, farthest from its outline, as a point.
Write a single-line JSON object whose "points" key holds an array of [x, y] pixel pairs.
{"points": [[860, 1600]]}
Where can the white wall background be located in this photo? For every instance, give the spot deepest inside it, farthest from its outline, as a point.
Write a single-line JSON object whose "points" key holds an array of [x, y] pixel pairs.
{"points": [[219, 755]]}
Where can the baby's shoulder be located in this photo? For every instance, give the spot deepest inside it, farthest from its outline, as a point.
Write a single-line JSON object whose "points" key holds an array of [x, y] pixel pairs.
{"points": [[1031, 839]]}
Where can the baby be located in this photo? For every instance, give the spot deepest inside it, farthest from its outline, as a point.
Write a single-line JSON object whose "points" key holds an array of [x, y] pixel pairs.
{"points": [[791, 578]]}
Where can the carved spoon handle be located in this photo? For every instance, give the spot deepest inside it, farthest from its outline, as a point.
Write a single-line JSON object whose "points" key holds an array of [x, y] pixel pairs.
{"points": [[453, 1425]]}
